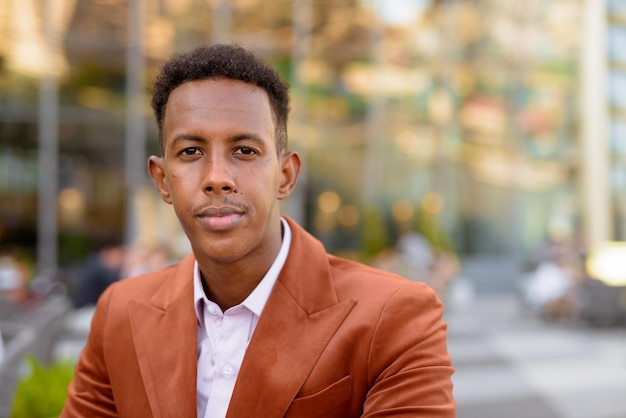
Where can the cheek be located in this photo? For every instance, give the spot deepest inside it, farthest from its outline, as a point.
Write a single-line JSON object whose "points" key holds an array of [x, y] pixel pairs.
{"points": [[272, 174], [180, 184], [264, 186]]}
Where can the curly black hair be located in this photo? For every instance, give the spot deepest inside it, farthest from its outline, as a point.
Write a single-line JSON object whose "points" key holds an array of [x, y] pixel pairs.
{"points": [[222, 61]]}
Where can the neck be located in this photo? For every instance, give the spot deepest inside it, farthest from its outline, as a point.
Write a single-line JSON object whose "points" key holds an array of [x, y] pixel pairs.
{"points": [[226, 292], [229, 283]]}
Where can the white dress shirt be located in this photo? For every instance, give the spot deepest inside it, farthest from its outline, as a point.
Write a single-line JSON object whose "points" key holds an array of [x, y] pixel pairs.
{"points": [[223, 336]]}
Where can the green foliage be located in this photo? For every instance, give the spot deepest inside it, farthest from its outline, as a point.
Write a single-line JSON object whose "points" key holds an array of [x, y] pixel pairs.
{"points": [[375, 236], [429, 227], [357, 105], [73, 247], [94, 72], [42, 392], [282, 65]]}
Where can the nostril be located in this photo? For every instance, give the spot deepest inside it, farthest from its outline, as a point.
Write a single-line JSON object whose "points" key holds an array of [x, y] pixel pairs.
{"points": [[221, 189]]}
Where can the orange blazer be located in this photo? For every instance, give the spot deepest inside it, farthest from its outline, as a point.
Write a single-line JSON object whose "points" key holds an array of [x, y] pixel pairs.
{"points": [[336, 339]]}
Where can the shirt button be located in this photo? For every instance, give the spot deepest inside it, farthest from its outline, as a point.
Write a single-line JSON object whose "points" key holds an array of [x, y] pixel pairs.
{"points": [[212, 309], [227, 370]]}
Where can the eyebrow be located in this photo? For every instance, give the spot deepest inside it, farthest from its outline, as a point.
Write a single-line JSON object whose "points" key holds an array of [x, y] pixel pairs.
{"points": [[236, 138], [184, 137]]}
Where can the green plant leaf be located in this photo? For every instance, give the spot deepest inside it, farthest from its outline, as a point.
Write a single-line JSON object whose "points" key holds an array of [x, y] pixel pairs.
{"points": [[43, 390]]}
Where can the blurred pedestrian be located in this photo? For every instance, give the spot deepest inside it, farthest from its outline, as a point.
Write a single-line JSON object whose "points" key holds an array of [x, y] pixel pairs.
{"points": [[97, 272], [415, 258], [550, 290], [144, 259], [259, 321], [14, 277]]}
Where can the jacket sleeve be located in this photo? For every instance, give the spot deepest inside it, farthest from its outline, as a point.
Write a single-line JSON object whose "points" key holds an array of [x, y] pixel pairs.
{"points": [[409, 363], [89, 393]]}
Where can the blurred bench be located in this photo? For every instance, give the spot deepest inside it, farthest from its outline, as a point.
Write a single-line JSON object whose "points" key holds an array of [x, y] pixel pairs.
{"points": [[601, 304]]}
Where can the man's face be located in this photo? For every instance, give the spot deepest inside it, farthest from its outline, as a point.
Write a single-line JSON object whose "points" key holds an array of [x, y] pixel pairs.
{"points": [[218, 137]]}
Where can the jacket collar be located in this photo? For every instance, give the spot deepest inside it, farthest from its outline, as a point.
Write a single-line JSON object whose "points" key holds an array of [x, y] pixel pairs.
{"points": [[301, 316], [165, 338]]}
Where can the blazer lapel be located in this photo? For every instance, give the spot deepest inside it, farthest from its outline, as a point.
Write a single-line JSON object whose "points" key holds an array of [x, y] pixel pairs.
{"points": [[165, 338], [299, 319]]}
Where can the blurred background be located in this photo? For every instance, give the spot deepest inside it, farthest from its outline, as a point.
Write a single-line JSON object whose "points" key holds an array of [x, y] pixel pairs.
{"points": [[477, 145]]}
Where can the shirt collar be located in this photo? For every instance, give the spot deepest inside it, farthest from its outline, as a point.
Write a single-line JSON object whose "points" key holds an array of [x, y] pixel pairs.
{"points": [[256, 300]]}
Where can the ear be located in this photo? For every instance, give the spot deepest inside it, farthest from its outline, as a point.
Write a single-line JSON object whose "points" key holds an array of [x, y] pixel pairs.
{"points": [[290, 165], [157, 172]]}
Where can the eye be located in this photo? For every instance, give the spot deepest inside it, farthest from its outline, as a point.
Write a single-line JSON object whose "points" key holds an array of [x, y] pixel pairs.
{"points": [[245, 151], [190, 151]]}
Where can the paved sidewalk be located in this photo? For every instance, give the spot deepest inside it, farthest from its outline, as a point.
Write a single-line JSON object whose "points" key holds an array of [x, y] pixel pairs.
{"points": [[510, 364]]}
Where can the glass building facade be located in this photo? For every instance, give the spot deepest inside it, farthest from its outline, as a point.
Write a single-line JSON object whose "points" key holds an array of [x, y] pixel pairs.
{"points": [[459, 119]]}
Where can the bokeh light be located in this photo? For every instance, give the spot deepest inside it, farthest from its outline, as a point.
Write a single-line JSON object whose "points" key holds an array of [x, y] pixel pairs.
{"points": [[402, 210], [348, 216], [329, 202]]}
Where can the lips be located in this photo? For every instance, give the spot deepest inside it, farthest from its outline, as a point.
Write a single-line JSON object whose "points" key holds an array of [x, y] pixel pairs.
{"points": [[220, 218]]}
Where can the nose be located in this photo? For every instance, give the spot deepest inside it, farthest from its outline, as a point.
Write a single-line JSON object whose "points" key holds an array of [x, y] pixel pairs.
{"points": [[218, 177]]}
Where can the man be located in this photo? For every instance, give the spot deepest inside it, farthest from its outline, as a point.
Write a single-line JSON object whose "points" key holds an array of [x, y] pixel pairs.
{"points": [[97, 272], [259, 321]]}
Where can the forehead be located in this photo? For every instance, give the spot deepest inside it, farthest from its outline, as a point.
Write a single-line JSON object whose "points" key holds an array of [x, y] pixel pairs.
{"points": [[219, 102], [219, 92]]}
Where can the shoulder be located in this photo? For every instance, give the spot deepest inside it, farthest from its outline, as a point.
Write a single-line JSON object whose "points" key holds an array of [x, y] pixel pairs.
{"points": [[154, 289], [354, 279], [141, 287]]}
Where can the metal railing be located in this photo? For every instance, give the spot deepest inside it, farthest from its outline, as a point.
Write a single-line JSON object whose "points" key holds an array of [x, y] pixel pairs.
{"points": [[27, 332]]}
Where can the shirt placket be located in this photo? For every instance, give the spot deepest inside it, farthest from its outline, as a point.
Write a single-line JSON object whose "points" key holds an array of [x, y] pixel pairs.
{"points": [[228, 349]]}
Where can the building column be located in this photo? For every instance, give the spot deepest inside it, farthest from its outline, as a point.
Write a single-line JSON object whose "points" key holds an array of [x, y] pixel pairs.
{"points": [[595, 162], [48, 127], [135, 138]]}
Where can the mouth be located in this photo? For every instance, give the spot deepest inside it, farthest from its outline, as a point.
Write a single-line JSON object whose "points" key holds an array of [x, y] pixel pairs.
{"points": [[220, 218]]}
